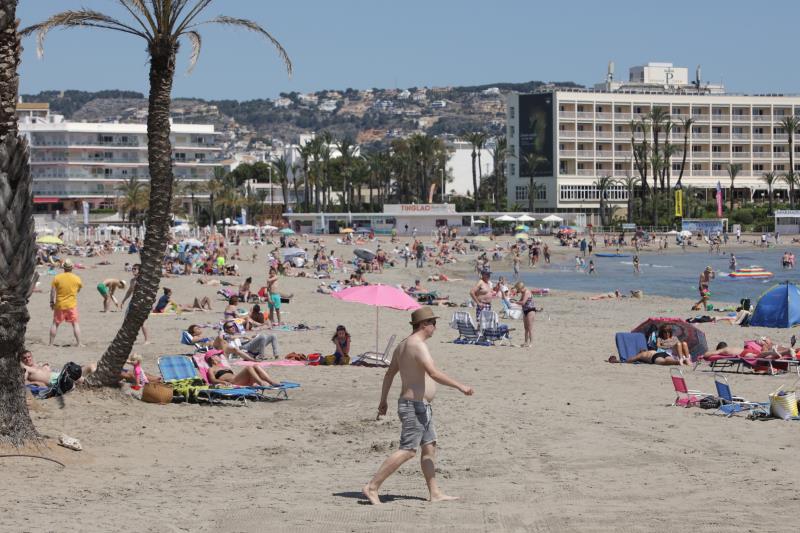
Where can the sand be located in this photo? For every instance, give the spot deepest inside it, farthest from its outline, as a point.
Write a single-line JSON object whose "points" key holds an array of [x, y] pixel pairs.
{"points": [[554, 439]]}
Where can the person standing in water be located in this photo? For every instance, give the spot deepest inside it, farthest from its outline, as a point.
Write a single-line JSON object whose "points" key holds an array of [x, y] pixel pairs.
{"points": [[419, 376], [636, 269]]}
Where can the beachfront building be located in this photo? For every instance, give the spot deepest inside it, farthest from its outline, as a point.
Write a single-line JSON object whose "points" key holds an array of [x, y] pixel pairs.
{"points": [[583, 135], [459, 167], [73, 162]]}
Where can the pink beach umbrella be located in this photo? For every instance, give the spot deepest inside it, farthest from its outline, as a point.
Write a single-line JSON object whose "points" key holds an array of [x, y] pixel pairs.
{"points": [[378, 296]]}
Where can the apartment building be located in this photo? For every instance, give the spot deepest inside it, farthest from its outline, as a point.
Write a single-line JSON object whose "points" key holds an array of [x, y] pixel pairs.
{"points": [[582, 135], [72, 162]]}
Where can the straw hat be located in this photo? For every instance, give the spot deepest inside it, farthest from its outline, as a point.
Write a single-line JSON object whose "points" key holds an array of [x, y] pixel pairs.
{"points": [[67, 264], [518, 286], [422, 314]]}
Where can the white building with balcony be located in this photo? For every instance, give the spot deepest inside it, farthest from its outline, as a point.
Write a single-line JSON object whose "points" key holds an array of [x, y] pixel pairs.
{"points": [[73, 162], [583, 135]]}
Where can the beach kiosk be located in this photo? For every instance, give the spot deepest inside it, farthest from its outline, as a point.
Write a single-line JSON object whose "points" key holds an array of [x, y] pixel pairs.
{"points": [[787, 221]]}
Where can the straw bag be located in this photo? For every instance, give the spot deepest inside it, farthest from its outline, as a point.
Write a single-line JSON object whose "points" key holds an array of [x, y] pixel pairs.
{"points": [[783, 404], [157, 393]]}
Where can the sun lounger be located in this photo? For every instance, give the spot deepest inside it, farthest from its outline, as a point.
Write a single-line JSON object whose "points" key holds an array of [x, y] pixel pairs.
{"points": [[178, 368], [730, 404], [468, 332], [629, 344], [686, 397], [738, 364], [266, 392], [375, 358], [491, 328]]}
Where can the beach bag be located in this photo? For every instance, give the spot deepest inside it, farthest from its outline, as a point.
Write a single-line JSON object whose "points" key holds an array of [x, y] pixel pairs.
{"points": [[783, 404], [314, 359], [71, 373], [160, 393]]}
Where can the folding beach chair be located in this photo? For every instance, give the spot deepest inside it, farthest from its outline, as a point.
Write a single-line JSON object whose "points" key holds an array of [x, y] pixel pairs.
{"points": [[266, 392], [376, 358], [468, 332], [730, 404], [629, 344], [686, 397], [175, 368], [491, 328]]}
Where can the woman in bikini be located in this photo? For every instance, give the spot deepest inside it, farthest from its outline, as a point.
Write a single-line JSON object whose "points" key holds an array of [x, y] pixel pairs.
{"points": [[250, 375], [528, 311]]}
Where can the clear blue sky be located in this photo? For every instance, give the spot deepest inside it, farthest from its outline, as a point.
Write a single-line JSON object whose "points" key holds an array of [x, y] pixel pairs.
{"points": [[749, 46]]}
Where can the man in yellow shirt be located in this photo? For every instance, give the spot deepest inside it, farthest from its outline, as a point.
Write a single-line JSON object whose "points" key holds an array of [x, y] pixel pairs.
{"points": [[64, 301]]}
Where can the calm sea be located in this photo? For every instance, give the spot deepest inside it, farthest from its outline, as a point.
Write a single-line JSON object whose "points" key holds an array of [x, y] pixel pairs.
{"points": [[673, 274]]}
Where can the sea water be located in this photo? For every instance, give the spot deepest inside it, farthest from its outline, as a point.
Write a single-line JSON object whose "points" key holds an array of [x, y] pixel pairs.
{"points": [[667, 274]]}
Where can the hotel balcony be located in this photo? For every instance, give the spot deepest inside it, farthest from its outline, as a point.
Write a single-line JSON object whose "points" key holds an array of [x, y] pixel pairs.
{"points": [[740, 118], [741, 155], [590, 172], [566, 114], [700, 155], [699, 172], [764, 118], [762, 155]]}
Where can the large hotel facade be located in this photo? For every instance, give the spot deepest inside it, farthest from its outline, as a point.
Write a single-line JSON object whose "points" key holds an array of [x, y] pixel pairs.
{"points": [[586, 134], [72, 162]]}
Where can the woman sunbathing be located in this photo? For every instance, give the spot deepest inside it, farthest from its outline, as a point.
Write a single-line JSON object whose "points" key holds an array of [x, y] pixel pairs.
{"points": [[672, 346], [250, 375]]}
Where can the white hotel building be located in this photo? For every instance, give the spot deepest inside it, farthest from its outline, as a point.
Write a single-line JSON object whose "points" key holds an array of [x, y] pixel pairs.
{"points": [[73, 162], [586, 134]]}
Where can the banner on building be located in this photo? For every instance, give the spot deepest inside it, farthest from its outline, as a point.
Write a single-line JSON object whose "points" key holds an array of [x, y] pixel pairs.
{"points": [[679, 203]]}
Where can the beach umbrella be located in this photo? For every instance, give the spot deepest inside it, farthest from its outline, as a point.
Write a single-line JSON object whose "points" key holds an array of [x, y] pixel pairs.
{"points": [[681, 330], [378, 296], [49, 239], [363, 253], [525, 218], [552, 218], [505, 218], [269, 228], [522, 227], [523, 236], [287, 231], [347, 230], [686, 233], [478, 221]]}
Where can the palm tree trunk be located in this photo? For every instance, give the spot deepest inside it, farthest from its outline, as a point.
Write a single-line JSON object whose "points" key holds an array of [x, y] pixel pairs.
{"points": [[474, 179], [162, 72], [790, 138], [17, 252]]}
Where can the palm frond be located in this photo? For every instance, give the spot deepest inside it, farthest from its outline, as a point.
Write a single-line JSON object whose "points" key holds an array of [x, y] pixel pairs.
{"points": [[190, 17], [252, 26], [73, 19], [139, 12], [197, 43]]}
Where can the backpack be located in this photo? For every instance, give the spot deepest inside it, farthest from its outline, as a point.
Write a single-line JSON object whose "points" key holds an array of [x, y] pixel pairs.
{"points": [[71, 373]]}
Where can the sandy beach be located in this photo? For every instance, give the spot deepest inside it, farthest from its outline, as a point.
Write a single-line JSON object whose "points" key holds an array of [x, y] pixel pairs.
{"points": [[554, 439]]}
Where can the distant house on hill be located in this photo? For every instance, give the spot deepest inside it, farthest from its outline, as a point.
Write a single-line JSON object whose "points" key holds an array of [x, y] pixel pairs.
{"points": [[282, 103], [438, 104], [328, 106], [405, 94]]}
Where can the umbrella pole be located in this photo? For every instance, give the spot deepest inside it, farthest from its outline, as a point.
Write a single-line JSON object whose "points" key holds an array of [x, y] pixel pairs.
{"points": [[377, 325]]}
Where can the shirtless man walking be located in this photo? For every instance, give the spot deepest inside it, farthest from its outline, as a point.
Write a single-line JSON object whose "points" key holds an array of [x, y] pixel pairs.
{"points": [[419, 377], [482, 294]]}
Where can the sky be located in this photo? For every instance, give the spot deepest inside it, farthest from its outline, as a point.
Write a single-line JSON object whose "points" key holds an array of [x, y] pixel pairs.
{"points": [[749, 46]]}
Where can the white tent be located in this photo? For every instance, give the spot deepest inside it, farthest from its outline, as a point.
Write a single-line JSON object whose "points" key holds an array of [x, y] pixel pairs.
{"points": [[552, 218], [478, 221], [269, 228], [505, 218], [242, 227], [525, 218]]}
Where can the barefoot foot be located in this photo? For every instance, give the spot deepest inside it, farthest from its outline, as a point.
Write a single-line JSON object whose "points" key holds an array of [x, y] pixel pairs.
{"points": [[371, 494], [443, 498]]}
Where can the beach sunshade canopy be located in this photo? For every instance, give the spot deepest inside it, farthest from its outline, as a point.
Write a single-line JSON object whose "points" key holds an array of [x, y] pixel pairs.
{"points": [[523, 236], [192, 243], [269, 228], [287, 231], [681, 330], [479, 221], [672, 232], [525, 218], [686, 233], [779, 307], [378, 296], [363, 253], [505, 218], [243, 227], [287, 253], [522, 227], [552, 218], [49, 239], [347, 230]]}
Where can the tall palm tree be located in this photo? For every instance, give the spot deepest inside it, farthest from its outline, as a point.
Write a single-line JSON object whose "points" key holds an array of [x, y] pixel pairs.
{"points": [[214, 188], [281, 169], [769, 180], [306, 155], [133, 197], [18, 252], [477, 140], [347, 151], [687, 129], [193, 188], [791, 179], [733, 171], [499, 155], [630, 183], [603, 185], [532, 162], [790, 124], [163, 25]]}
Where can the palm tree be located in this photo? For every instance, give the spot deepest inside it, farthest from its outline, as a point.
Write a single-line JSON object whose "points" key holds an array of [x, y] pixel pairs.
{"points": [[790, 124], [687, 128], [769, 180], [532, 162], [603, 185], [133, 199], [630, 183], [477, 140], [163, 25], [193, 188], [347, 150], [281, 168], [18, 252], [499, 155], [214, 188], [733, 171], [306, 155], [791, 179]]}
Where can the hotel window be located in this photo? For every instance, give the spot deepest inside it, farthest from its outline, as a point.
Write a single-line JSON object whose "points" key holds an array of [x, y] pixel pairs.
{"points": [[758, 112], [618, 128], [201, 140], [717, 129], [779, 168], [758, 149], [737, 149], [580, 108], [180, 156], [512, 111], [598, 166], [778, 131], [512, 168], [620, 148], [676, 167], [758, 131], [598, 127], [598, 109], [200, 157], [758, 167], [562, 167], [717, 166], [738, 130], [580, 127], [617, 166], [716, 148], [697, 129], [696, 166], [107, 172], [778, 149], [512, 130], [738, 111], [560, 108], [108, 155], [716, 111], [123, 139], [106, 138], [580, 146], [562, 146], [580, 166], [619, 109], [541, 193], [637, 109], [696, 148], [521, 193]]}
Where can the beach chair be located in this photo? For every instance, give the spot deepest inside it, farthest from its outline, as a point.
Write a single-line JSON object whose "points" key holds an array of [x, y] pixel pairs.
{"points": [[376, 358], [266, 392], [468, 332], [179, 368], [686, 397], [730, 404], [629, 344], [491, 330]]}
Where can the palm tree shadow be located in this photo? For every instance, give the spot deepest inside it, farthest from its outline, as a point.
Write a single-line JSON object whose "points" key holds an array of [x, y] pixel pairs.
{"points": [[385, 498]]}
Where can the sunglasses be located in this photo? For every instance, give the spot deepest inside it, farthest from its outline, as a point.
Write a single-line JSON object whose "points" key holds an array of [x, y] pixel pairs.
{"points": [[432, 322]]}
